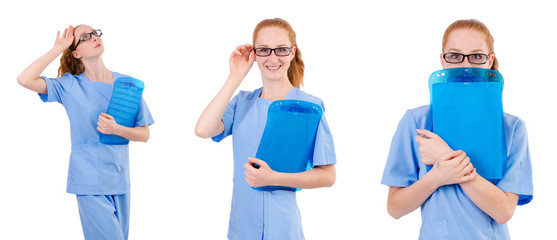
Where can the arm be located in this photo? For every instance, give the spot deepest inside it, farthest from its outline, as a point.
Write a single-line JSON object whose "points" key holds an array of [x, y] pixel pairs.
{"points": [[29, 78], [454, 167], [210, 122], [107, 125], [319, 176], [489, 198]]}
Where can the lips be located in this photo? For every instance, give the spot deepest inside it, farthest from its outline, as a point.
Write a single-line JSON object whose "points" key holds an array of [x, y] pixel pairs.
{"points": [[273, 67], [98, 45]]}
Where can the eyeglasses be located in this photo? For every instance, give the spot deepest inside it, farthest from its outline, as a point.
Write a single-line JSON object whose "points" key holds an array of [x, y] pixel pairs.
{"points": [[86, 36], [265, 52], [474, 58]]}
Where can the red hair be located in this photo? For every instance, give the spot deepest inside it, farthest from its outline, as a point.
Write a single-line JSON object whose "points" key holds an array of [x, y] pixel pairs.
{"points": [[296, 69], [473, 24], [68, 63]]}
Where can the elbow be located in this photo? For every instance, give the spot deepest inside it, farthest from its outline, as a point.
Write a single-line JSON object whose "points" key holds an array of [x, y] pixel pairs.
{"points": [[200, 132], [21, 81], [505, 217], [330, 180], [392, 212]]}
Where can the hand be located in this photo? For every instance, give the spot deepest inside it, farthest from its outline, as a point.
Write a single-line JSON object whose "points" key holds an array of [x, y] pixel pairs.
{"points": [[432, 147], [65, 41], [455, 167], [258, 177], [107, 124], [241, 60]]}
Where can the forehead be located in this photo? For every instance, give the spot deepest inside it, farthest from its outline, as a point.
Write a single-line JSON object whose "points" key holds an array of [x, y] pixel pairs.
{"points": [[80, 30], [272, 37], [466, 40]]}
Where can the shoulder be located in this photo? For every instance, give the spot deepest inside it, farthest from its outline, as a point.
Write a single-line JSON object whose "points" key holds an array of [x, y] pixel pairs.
{"points": [[117, 75], [417, 116], [301, 95], [248, 95]]}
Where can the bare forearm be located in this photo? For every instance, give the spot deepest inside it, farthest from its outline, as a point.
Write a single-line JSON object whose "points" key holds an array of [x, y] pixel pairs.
{"points": [[136, 134], [209, 123], [489, 198], [404, 200], [319, 176], [29, 78]]}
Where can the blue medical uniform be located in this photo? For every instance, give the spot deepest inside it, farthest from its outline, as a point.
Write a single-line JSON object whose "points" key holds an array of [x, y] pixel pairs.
{"points": [[267, 215], [95, 169], [449, 213]]}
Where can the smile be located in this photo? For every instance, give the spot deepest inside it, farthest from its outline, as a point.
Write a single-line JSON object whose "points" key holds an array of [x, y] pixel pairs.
{"points": [[273, 67]]}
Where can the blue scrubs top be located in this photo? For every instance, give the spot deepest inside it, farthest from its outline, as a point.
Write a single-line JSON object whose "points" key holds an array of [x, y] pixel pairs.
{"points": [[265, 214], [95, 168], [449, 213]]}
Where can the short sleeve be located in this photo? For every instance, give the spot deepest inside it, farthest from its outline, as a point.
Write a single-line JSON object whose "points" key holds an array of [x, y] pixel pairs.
{"points": [[401, 169], [143, 117], [518, 175], [324, 151], [57, 88], [227, 119]]}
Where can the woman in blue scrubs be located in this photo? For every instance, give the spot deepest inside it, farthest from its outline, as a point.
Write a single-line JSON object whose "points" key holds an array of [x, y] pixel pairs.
{"points": [[456, 202], [265, 214], [98, 173]]}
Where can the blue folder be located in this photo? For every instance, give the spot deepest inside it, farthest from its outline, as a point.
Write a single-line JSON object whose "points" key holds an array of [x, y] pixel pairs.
{"points": [[467, 112], [123, 106], [288, 140]]}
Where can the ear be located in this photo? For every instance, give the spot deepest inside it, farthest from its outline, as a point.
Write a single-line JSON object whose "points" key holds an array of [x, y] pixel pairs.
{"points": [[293, 53], [491, 60], [76, 54]]}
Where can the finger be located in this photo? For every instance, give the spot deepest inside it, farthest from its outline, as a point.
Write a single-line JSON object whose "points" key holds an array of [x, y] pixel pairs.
{"points": [[257, 161], [420, 139], [466, 169], [450, 155], [469, 177], [427, 133], [100, 130], [58, 35], [106, 115]]}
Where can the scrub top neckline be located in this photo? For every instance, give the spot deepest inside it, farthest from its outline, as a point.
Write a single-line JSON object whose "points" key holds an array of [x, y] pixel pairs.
{"points": [[111, 72], [288, 95]]}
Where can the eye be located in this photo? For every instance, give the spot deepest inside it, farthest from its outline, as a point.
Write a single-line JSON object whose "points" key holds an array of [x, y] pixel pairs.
{"points": [[477, 56], [455, 55], [85, 37], [262, 50], [283, 50]]}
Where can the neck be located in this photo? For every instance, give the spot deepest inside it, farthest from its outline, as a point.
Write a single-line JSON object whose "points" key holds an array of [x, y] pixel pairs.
{"points": [[275, 90], [96, 71]]}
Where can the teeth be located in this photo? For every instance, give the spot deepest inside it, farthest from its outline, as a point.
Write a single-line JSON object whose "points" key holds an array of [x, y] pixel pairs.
{"points": [[273, 68]]}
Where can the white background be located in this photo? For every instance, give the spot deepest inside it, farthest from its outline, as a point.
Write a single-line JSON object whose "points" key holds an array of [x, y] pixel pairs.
{"points": [[368, 61]]}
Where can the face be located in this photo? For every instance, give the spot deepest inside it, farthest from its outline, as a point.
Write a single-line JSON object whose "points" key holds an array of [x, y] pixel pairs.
{"points": [[273, 67], [466, 41], [92, 47]]}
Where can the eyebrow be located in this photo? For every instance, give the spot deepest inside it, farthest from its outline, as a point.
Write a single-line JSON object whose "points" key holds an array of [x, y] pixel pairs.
{"points": [[267, 46], [458, 50]]}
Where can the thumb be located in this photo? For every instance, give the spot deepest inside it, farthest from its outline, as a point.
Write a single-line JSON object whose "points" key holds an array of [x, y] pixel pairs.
{"points": [[427, 133], [257, 161], [106, 115]]}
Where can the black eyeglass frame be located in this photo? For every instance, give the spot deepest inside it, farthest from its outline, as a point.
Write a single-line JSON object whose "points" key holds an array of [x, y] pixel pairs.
{"points": [[96, 32], [467, 56], [271, 50]]}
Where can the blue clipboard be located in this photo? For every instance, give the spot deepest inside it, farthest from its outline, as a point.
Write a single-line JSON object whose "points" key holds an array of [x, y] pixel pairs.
{"points": [[123, 106], [288, 140], [467, 112]]}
